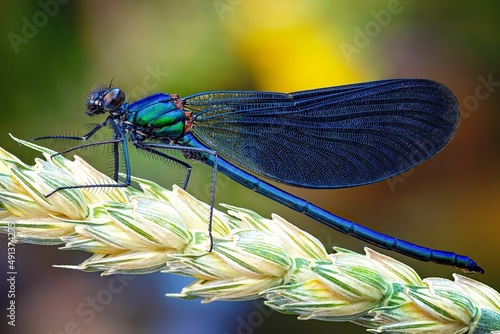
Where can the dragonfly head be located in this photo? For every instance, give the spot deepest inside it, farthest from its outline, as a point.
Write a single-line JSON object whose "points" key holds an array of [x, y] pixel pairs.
{"points": [[104, 100]]}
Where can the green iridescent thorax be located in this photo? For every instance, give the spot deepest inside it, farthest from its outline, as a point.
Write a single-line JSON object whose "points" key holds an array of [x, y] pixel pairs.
{"points": [[157, 115]]}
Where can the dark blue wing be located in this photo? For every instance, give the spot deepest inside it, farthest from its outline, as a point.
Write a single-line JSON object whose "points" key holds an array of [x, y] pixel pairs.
{"points": [[328, 138]]}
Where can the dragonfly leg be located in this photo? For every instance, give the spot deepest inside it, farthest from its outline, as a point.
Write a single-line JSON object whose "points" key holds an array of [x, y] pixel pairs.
{"points": [[84, 137], [118, 139], [188, 151], [116, 160], [212, 202], [151, 148], [115, 143]]}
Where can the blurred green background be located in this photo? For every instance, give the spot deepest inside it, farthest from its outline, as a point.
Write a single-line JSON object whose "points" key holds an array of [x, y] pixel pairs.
{"points": [[53, 52]]}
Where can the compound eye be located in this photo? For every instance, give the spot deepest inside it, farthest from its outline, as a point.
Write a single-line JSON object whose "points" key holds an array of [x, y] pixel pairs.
{"points": [[113, 99]]}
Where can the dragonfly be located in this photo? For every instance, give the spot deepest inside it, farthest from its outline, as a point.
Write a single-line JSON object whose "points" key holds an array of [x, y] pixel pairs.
{"points": [[334, 137]]}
